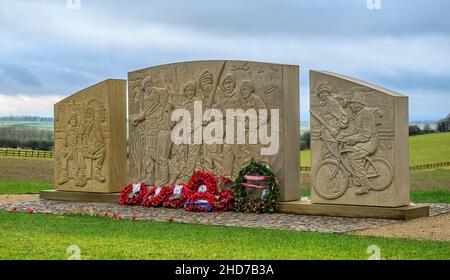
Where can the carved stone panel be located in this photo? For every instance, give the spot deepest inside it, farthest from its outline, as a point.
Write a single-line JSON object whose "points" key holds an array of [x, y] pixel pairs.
{"points": [[90, 139], [359, 142], [202, 89]]}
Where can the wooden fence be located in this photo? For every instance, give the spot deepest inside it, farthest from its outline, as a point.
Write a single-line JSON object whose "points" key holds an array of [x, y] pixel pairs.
{"points": [[26, 153]]}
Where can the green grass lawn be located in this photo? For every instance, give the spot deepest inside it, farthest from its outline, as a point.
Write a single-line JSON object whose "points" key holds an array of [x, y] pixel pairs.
{"points": [[429, 148], [22, 187], [430, 196], [434, 175], [35, 236]]}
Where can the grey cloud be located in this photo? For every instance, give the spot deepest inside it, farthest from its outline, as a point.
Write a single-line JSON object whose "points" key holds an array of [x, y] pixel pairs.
{"points": [[20, 75]]}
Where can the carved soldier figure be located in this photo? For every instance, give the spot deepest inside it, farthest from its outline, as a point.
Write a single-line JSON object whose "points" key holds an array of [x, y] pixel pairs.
{"points": [[362, 141], [193, 150], [73, 136], [164, 144], [206, 82], [68, 153], [151, 114], [93, 143], [211, 159], [333, 114], [137, 140], [250, 100], [231, 152]]}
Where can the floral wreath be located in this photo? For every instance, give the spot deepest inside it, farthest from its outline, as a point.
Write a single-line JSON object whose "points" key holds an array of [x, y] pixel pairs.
{"points": [[133, 194], [256, 171], [225, 201], [201, 202], [202, 182], [176, 196], [155, 196]]}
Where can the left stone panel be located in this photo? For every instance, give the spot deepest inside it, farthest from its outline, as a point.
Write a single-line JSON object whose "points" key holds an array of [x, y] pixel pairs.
{"points": [[90, 139]]}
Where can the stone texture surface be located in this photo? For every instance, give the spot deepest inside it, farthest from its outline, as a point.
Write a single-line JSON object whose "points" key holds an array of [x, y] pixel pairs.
{"points": [[359, 142], [222, 85], [90, 139], [270, 221]]}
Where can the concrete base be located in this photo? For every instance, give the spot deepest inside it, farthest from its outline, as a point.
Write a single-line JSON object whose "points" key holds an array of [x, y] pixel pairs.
{"points": [[305, 207], [80, 196]]}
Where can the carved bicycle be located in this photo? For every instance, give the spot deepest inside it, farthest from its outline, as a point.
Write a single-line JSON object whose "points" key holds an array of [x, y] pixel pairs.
{"points": [[333, 177]]}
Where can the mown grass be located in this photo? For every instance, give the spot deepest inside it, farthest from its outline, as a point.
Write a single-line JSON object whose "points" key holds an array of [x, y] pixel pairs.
{"points": [[430, 196], [429, 148], [22, 187], [35, 236]]}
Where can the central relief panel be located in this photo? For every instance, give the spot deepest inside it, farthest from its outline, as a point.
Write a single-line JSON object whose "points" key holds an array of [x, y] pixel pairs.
{"points": [[214, 116]]}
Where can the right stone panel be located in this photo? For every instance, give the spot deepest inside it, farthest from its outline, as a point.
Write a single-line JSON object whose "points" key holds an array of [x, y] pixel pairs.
{"points": [[359, 143]]}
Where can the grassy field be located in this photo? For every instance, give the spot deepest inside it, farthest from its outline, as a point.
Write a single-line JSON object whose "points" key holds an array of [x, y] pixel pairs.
{"points": [[38, 125], [35, 236], [429, 148], [424, 149], [22, 187]]}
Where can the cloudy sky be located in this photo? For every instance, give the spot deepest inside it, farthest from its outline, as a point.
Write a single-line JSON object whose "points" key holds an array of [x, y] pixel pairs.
{"points": [[48, 51]]}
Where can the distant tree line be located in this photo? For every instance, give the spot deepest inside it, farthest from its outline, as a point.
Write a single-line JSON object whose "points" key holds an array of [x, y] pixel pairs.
{"points": [[27, 119], [444, 124], [26, 138]]}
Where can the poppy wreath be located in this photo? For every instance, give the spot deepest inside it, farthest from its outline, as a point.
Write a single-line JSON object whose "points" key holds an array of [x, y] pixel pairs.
{"points": [[177, 196], [155, 196], [225, 201], [267, 204], [202, 179], [201, 202], [133, 194]]}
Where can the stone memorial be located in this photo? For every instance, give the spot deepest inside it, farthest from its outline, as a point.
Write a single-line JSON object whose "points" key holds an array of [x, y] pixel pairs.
{"points": [[90, 141], [185, 117], [359, 143]]}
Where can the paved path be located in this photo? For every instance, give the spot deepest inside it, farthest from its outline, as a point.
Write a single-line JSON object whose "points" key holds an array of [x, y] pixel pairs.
{"points": [[271, 221]]}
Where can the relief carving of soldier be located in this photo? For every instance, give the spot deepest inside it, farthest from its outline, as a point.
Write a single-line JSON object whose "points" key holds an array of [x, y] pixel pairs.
{"points": [[137, 139], [151, 114], [92, 140], [250, 100], [232, 154], [362, 140], [211, 159]]}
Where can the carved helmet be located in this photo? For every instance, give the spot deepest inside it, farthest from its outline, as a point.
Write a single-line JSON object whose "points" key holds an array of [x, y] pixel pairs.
{"points": [[325, 87], [206, 76], [358, 98]]}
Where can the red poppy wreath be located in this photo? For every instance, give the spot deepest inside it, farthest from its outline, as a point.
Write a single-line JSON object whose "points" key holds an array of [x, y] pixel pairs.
{"points": [[155, 196], [202, 182], [201, 202], [177, 196], [133, 194]]}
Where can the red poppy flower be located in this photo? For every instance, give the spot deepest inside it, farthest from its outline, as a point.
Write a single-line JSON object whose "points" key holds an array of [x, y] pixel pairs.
{"points": [[30, 211], [13, 209]]}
